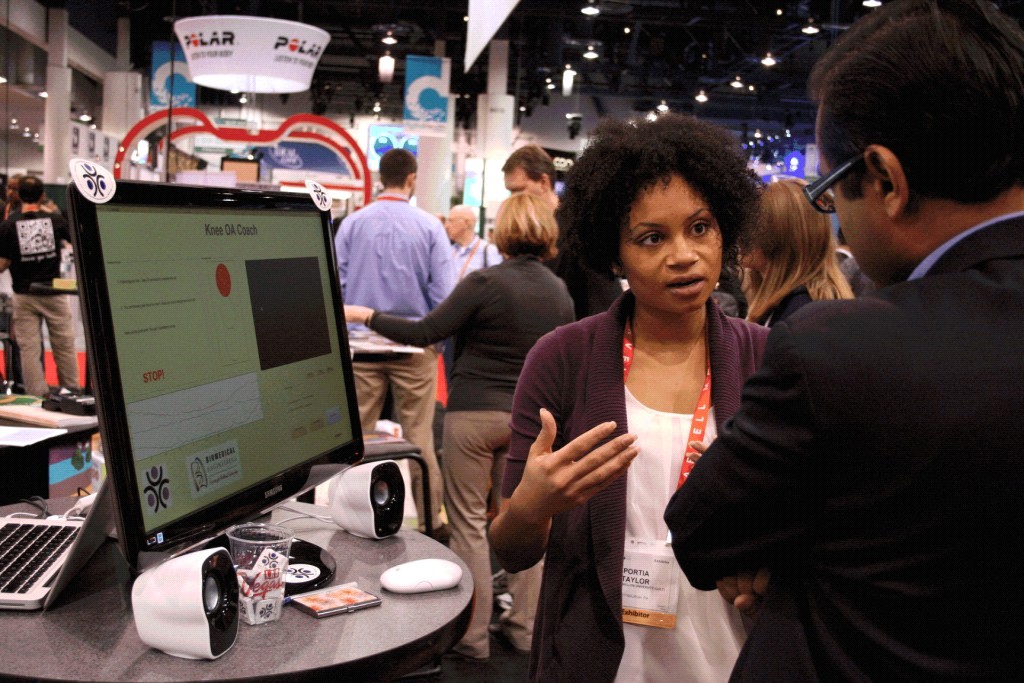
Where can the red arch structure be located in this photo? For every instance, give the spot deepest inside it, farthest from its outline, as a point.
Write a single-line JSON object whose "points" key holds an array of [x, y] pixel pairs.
{"points": [[304, 127]]}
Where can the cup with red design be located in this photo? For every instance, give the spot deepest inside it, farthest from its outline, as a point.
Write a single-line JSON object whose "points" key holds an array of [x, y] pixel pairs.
{"points": [[260, 555]]}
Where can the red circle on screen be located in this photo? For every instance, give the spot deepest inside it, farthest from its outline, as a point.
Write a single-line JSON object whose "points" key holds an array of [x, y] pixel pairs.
{"points": [[223, 280]]}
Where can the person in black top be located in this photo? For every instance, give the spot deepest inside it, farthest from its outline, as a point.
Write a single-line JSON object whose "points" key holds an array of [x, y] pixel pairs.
{"points": [[30, 245], [496, 315]]}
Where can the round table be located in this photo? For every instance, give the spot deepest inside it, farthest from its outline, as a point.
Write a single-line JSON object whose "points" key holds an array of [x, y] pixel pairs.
{"points": [[89, 635]]}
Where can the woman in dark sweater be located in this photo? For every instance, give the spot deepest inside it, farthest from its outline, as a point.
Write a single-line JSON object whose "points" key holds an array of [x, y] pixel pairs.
{"points": [[662, 203], [496, 315]]}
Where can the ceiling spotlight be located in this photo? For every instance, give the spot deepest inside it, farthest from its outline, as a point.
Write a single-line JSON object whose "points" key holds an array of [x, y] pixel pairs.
{"points": [[737, 83], [44, 94], [701, 97], [769, 60], [92, 126], [810, 29], [551, 86], [663, 107], [522, 107], [235, 92], [778, 12], [590, 9], [590, 54], [465, 18], [626, 30], [376, 107], [243, 99], [386, 68], [389, 39], [2, 80], [85, 118], [757, 133], [872, 3], [14, 123], [750, 88], [788, 133]]}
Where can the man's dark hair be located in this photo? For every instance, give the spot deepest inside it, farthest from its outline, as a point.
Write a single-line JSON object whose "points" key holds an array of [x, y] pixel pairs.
{"points": [[534, 161], [395, 167], [938, 82], [623, 159], [30, 189]]}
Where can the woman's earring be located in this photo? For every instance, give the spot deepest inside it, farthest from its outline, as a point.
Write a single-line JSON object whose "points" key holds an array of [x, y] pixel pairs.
{"points": [[616, 270]]}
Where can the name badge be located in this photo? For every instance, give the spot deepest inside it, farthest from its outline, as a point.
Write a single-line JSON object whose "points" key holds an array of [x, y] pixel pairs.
{"points": [[650, 584]]}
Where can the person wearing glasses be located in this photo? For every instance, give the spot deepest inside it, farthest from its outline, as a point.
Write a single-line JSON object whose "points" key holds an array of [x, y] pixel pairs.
{"points": [[866, 498], [662, 204], [790, 258]]}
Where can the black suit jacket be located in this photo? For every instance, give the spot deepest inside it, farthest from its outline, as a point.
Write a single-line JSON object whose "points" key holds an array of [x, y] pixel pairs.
{"points": [[876, 465]]}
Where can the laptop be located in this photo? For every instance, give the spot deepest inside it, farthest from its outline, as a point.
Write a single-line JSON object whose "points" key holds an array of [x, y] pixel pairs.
{"points": [[39, 557]]}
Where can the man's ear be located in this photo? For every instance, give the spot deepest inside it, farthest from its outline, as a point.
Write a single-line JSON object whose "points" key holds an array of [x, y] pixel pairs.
{"points": [[885, 177]]}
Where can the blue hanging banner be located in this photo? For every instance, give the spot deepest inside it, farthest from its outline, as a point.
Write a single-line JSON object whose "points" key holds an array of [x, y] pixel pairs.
{"points": [[427, 82], [161, 88]]}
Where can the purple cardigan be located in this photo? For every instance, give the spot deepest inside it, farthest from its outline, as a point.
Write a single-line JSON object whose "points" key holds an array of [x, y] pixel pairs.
{"points": [[576, 373]]}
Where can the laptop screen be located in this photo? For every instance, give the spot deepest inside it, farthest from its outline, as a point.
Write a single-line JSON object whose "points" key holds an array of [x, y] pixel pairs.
{"points": [[220, 362]]}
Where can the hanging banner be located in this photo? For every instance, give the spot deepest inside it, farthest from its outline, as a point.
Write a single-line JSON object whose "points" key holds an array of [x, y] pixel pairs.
{"points": [[251, 54], [426, 95], [161, 88], [485, 18]]}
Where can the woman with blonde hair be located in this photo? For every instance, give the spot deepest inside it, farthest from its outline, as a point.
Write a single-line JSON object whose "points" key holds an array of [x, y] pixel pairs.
{"points": [[790, 256], [496, 315]]}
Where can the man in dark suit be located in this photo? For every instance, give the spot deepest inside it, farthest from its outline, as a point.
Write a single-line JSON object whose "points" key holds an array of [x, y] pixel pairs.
{"points": [[869, 493]]}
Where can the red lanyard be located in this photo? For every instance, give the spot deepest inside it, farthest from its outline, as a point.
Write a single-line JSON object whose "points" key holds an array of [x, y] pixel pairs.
{"points": [[700, 413]]}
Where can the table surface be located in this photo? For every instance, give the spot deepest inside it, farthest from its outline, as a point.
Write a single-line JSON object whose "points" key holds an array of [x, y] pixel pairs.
{"points": [[89, 635]]}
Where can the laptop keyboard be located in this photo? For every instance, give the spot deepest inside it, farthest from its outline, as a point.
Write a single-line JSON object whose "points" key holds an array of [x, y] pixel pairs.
{"points": [[28, 550]]}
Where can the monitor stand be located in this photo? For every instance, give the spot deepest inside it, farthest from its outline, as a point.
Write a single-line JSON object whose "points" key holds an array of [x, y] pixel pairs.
{"points": [[309, 566]]}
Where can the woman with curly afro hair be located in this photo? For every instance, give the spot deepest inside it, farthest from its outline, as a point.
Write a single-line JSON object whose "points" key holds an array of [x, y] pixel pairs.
{"points": [[640, 388]]}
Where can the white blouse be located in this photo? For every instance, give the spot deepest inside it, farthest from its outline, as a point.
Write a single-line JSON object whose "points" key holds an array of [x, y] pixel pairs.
{"points": [[709, 632]]}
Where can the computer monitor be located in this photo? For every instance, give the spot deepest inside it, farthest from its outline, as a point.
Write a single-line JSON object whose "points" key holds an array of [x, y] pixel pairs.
{"points": [[216, 341]]}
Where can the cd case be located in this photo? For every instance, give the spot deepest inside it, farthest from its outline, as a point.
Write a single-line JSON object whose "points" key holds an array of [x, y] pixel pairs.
{"points": [[334, 600]]}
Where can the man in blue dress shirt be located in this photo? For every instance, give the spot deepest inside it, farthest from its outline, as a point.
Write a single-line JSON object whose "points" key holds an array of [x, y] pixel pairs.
{"points": [[396, 259]]}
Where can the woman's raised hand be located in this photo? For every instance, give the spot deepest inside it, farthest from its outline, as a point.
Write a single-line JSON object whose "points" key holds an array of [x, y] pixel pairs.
{"points": [[554, 482]]}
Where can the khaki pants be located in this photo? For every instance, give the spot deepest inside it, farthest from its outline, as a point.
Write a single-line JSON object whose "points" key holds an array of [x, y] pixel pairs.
{"points": [[29, 312], [475, 446], [413, 382]]}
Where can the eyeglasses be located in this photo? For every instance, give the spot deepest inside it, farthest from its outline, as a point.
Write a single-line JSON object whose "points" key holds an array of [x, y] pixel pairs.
{"points": [[820, 193]]}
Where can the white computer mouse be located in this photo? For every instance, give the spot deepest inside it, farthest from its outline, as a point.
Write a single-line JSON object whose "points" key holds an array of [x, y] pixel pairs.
{"points": [[420, 576]]}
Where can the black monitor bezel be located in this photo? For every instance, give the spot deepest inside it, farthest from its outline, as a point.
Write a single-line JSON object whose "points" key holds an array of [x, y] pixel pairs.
{"points": [[105, 374]]}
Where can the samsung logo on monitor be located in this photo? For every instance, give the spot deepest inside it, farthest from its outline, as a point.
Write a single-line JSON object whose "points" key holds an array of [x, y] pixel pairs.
{"points": [[274, 491]]}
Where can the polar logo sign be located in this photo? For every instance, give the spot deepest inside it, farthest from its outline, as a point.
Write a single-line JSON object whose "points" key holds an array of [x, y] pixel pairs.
{"points": [[217, 38], [300, 46]]}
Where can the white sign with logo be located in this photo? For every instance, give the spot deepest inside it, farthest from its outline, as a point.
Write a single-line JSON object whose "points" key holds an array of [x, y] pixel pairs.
{"points": [[251, 54]]}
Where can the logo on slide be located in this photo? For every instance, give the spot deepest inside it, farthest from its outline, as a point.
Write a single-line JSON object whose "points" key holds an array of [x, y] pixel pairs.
{"points": [[158, 489]]}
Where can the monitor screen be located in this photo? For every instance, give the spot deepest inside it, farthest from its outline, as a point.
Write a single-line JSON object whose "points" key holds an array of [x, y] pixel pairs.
{"points": [[384, 138], [218, 355]]}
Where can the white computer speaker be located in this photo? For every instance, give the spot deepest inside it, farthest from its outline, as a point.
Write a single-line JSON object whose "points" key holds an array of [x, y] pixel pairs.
{"points": [[188, 605], [368, 500]]}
